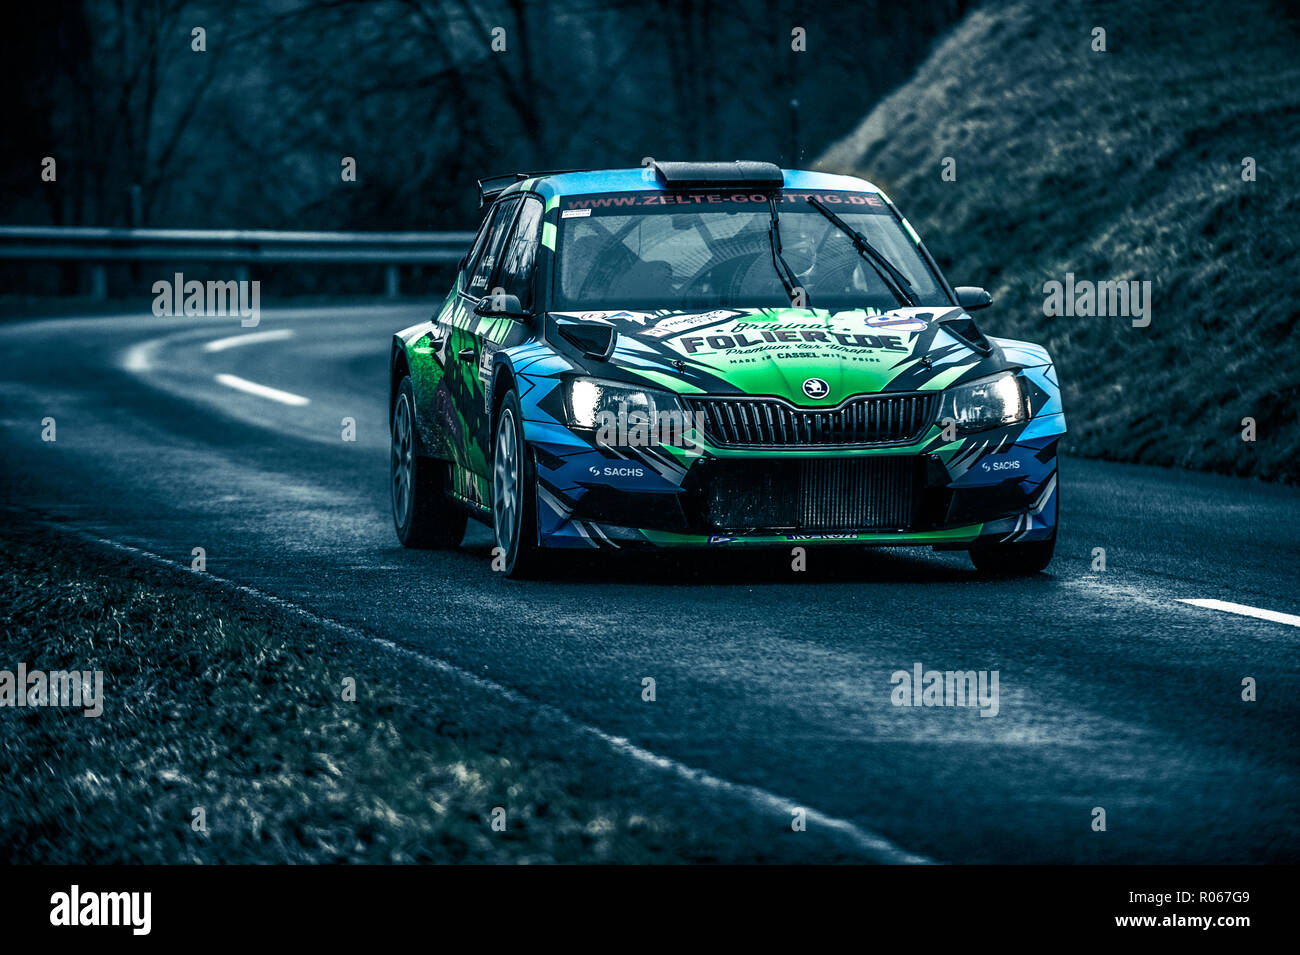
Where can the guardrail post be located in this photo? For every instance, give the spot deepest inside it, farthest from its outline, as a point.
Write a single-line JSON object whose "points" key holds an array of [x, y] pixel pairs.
{"points": [[392, 285], [98, 282]]}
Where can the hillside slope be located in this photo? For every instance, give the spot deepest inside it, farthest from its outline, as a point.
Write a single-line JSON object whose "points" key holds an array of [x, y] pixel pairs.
{"points": [[1125, 164]]}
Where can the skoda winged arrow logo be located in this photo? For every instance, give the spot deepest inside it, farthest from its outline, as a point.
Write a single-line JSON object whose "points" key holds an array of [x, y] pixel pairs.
{"points": [[816, 388]]}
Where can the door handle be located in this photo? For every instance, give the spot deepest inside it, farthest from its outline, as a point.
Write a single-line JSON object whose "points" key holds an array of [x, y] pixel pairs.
{"points": [[465, 354]]}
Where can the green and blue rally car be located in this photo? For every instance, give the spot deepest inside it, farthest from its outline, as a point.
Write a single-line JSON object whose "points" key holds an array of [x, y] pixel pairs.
{"points": [[716, 355]]}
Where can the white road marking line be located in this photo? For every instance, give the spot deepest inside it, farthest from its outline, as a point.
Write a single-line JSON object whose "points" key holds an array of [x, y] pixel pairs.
{"points": [[1228, 607], [872, 844], [140, 357], [249, 338], [262, 391]]}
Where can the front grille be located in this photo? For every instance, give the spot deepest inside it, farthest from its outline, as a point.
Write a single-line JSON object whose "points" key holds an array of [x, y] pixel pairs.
{"points": [[837, 494], [866, 421]]}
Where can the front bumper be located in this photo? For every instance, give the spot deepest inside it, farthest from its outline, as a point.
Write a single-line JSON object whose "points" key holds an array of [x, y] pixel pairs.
{"points": [[987, 489], [914, 488]]}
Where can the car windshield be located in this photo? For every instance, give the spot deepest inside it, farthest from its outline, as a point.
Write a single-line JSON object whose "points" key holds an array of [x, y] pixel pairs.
{"points": [[664, 250]]}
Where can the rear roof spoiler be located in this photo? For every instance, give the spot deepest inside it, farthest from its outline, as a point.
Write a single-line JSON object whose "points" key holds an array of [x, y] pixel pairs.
{"points": [[493, 186], [739, 174]]}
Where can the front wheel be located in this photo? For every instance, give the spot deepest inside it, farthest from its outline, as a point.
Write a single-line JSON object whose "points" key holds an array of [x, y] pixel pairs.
{"points": [[514, 494], [1020, 559], [423, 514], [1013, 559]]}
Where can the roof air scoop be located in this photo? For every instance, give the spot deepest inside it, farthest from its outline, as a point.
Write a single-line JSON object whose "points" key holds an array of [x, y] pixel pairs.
{"points": [[737, 175]]}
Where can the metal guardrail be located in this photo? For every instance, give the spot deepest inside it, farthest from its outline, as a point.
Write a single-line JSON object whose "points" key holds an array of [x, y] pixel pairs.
{"points": [[100, 247]]}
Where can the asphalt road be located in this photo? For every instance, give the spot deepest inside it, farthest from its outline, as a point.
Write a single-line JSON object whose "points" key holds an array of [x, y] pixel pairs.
{"points": [[1113, 692]]}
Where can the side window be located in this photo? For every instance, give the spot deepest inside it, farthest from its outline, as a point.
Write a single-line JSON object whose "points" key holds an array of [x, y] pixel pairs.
{"points": [[475, 250], [493, 242], [516, 276]]}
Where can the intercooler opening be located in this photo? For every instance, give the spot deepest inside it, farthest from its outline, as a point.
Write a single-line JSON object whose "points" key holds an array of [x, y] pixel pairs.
{"points": [[811, 494]]}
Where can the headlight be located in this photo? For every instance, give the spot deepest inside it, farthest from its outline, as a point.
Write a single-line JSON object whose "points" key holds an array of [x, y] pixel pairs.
{"points": [[593, 402], [990, 403]]}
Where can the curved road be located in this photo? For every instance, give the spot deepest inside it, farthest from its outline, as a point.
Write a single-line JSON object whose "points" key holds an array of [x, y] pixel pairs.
{"points": [[1113, 691]]}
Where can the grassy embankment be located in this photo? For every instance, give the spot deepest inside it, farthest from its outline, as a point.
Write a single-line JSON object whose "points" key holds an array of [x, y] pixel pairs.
{"points": [[240, 710], [1120, 165]]}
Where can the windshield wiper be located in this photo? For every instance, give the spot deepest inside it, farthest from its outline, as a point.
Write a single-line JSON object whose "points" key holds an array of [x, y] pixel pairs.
{"points": [[889, 273], [788, 278]]}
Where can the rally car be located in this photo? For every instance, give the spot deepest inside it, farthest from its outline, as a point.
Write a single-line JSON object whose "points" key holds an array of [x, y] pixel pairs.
{"points": [[716, 355]]}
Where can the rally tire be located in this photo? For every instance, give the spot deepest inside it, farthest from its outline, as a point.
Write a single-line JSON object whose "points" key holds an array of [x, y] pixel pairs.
{"points": [[514, 494], [1013, 559], [423, 515]]}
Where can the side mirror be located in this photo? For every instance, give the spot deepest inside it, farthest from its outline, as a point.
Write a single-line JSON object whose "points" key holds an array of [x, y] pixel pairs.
{"points": [[500, 305], [972, 297]]}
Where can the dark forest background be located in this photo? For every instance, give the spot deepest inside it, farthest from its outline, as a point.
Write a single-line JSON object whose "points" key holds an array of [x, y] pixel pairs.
{"points": [[251, 133]]}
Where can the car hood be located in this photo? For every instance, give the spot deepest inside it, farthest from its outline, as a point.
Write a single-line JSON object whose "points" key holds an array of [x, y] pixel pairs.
{"points": [[810, 357]]}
